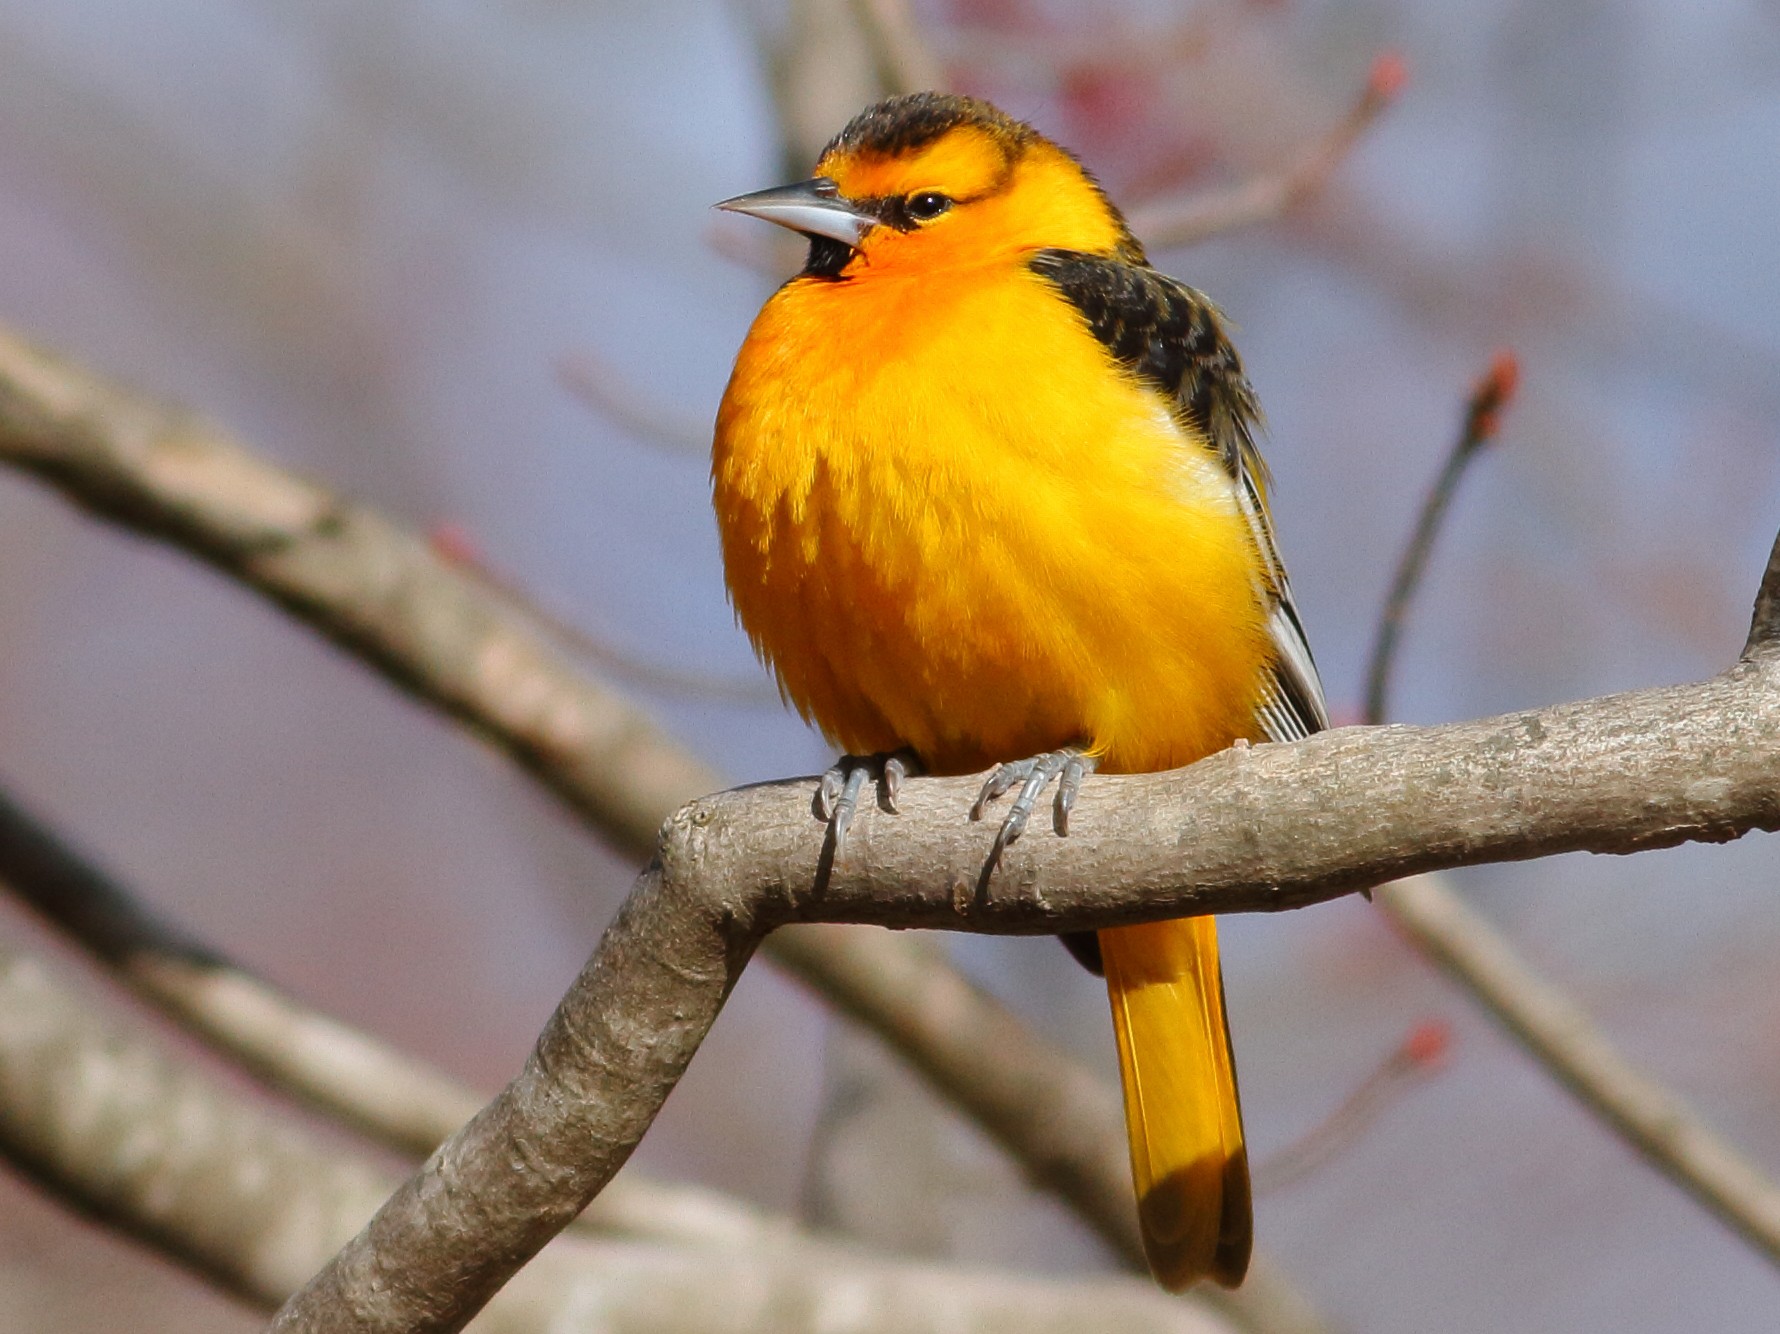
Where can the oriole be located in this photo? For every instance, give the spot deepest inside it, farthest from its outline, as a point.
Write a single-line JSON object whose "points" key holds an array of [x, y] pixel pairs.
{"points": [[988, 494]]}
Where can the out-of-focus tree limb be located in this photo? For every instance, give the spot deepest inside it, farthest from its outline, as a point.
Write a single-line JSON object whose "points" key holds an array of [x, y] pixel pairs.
{"points": [[395, 1099], [1483, 414], [454, 642], [376, 589], [1197, 217], [1553, 1029], [1562, 1038], [157, 1148], [1058, 1119], [1258, 829], [906, 64]]}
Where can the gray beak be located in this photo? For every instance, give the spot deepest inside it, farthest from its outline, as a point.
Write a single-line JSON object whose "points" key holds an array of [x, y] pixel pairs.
{"points": [[813, 207]]}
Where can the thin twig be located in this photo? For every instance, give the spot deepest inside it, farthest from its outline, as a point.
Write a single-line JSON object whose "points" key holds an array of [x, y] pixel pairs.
{"points": [[606, 389], [1483, 414], [1263, 828], [437, 632], [1412, 1059], [1549, 1026], [1204, 214], [456, 546]]}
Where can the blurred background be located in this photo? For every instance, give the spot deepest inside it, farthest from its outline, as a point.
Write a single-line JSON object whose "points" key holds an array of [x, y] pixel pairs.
{"points": [[371, 238]]}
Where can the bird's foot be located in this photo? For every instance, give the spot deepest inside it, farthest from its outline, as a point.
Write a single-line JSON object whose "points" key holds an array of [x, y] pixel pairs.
{"points": [[1067, 766], [837, 796]]}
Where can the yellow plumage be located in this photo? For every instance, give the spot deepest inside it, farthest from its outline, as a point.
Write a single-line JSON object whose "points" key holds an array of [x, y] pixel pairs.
{"points": [[952, 521]]}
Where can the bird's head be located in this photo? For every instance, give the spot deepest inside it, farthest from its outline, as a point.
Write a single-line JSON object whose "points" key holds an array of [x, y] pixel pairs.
{"points": [[932, 181]]}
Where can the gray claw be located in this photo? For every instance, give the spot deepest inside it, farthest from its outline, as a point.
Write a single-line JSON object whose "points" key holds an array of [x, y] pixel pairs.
{"points": [[847, 805], [1000, 783], [837, 796], [1068, 766], [829, 791], [895, 770], [1068, 786]]}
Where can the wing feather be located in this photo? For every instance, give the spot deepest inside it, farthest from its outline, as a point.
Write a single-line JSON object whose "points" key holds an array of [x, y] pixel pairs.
{"points": [[1173, 337]]}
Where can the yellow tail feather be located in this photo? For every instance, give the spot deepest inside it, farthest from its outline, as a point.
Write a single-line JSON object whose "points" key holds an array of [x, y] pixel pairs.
{"points": [[1181, 1108]]}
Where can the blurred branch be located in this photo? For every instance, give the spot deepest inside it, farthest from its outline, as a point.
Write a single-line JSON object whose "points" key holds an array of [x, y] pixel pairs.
{"points": [[454, 545], [154, 1147], [1062, 1122], [606, 389], [398, 1101], [1199, 216], [430, 628], [1423, 1050], [906, 64], [1561, 1037], [1483, 414], [142, 1139], [376, 589], [1549, 1026], [1257, 829]]}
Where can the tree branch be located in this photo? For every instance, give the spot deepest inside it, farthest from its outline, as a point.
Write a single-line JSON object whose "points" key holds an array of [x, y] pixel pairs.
{"points": [[372, 587], [1261, 829], [1764, 626], [1204, 214], [1483, 414]]}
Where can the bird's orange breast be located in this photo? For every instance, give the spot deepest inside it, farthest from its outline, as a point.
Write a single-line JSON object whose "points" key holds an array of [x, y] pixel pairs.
{"points": [[951, 522]]}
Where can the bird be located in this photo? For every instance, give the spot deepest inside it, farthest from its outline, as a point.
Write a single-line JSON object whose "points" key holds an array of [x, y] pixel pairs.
{"points": [[989, 498]]}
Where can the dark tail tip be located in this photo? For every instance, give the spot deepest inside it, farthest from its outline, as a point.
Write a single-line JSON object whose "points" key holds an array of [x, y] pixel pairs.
{"points": [[1198, 1222]]}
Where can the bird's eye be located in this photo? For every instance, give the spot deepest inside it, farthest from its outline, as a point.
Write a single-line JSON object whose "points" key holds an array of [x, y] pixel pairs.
{"points": [[927, 205]]}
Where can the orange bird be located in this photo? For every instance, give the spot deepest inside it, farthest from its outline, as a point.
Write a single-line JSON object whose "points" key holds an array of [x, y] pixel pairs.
{"points": [[989, 495]]}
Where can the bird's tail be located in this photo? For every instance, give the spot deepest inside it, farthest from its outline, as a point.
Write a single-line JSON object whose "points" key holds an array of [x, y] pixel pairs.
{"points": [[1181, 1108]]}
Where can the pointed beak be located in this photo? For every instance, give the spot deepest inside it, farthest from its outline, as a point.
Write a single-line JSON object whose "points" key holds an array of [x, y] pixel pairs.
{"points": [[813, 207]]}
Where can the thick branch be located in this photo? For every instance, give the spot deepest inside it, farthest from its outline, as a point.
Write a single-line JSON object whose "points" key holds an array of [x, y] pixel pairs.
{"points": [[1261, 829]]}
